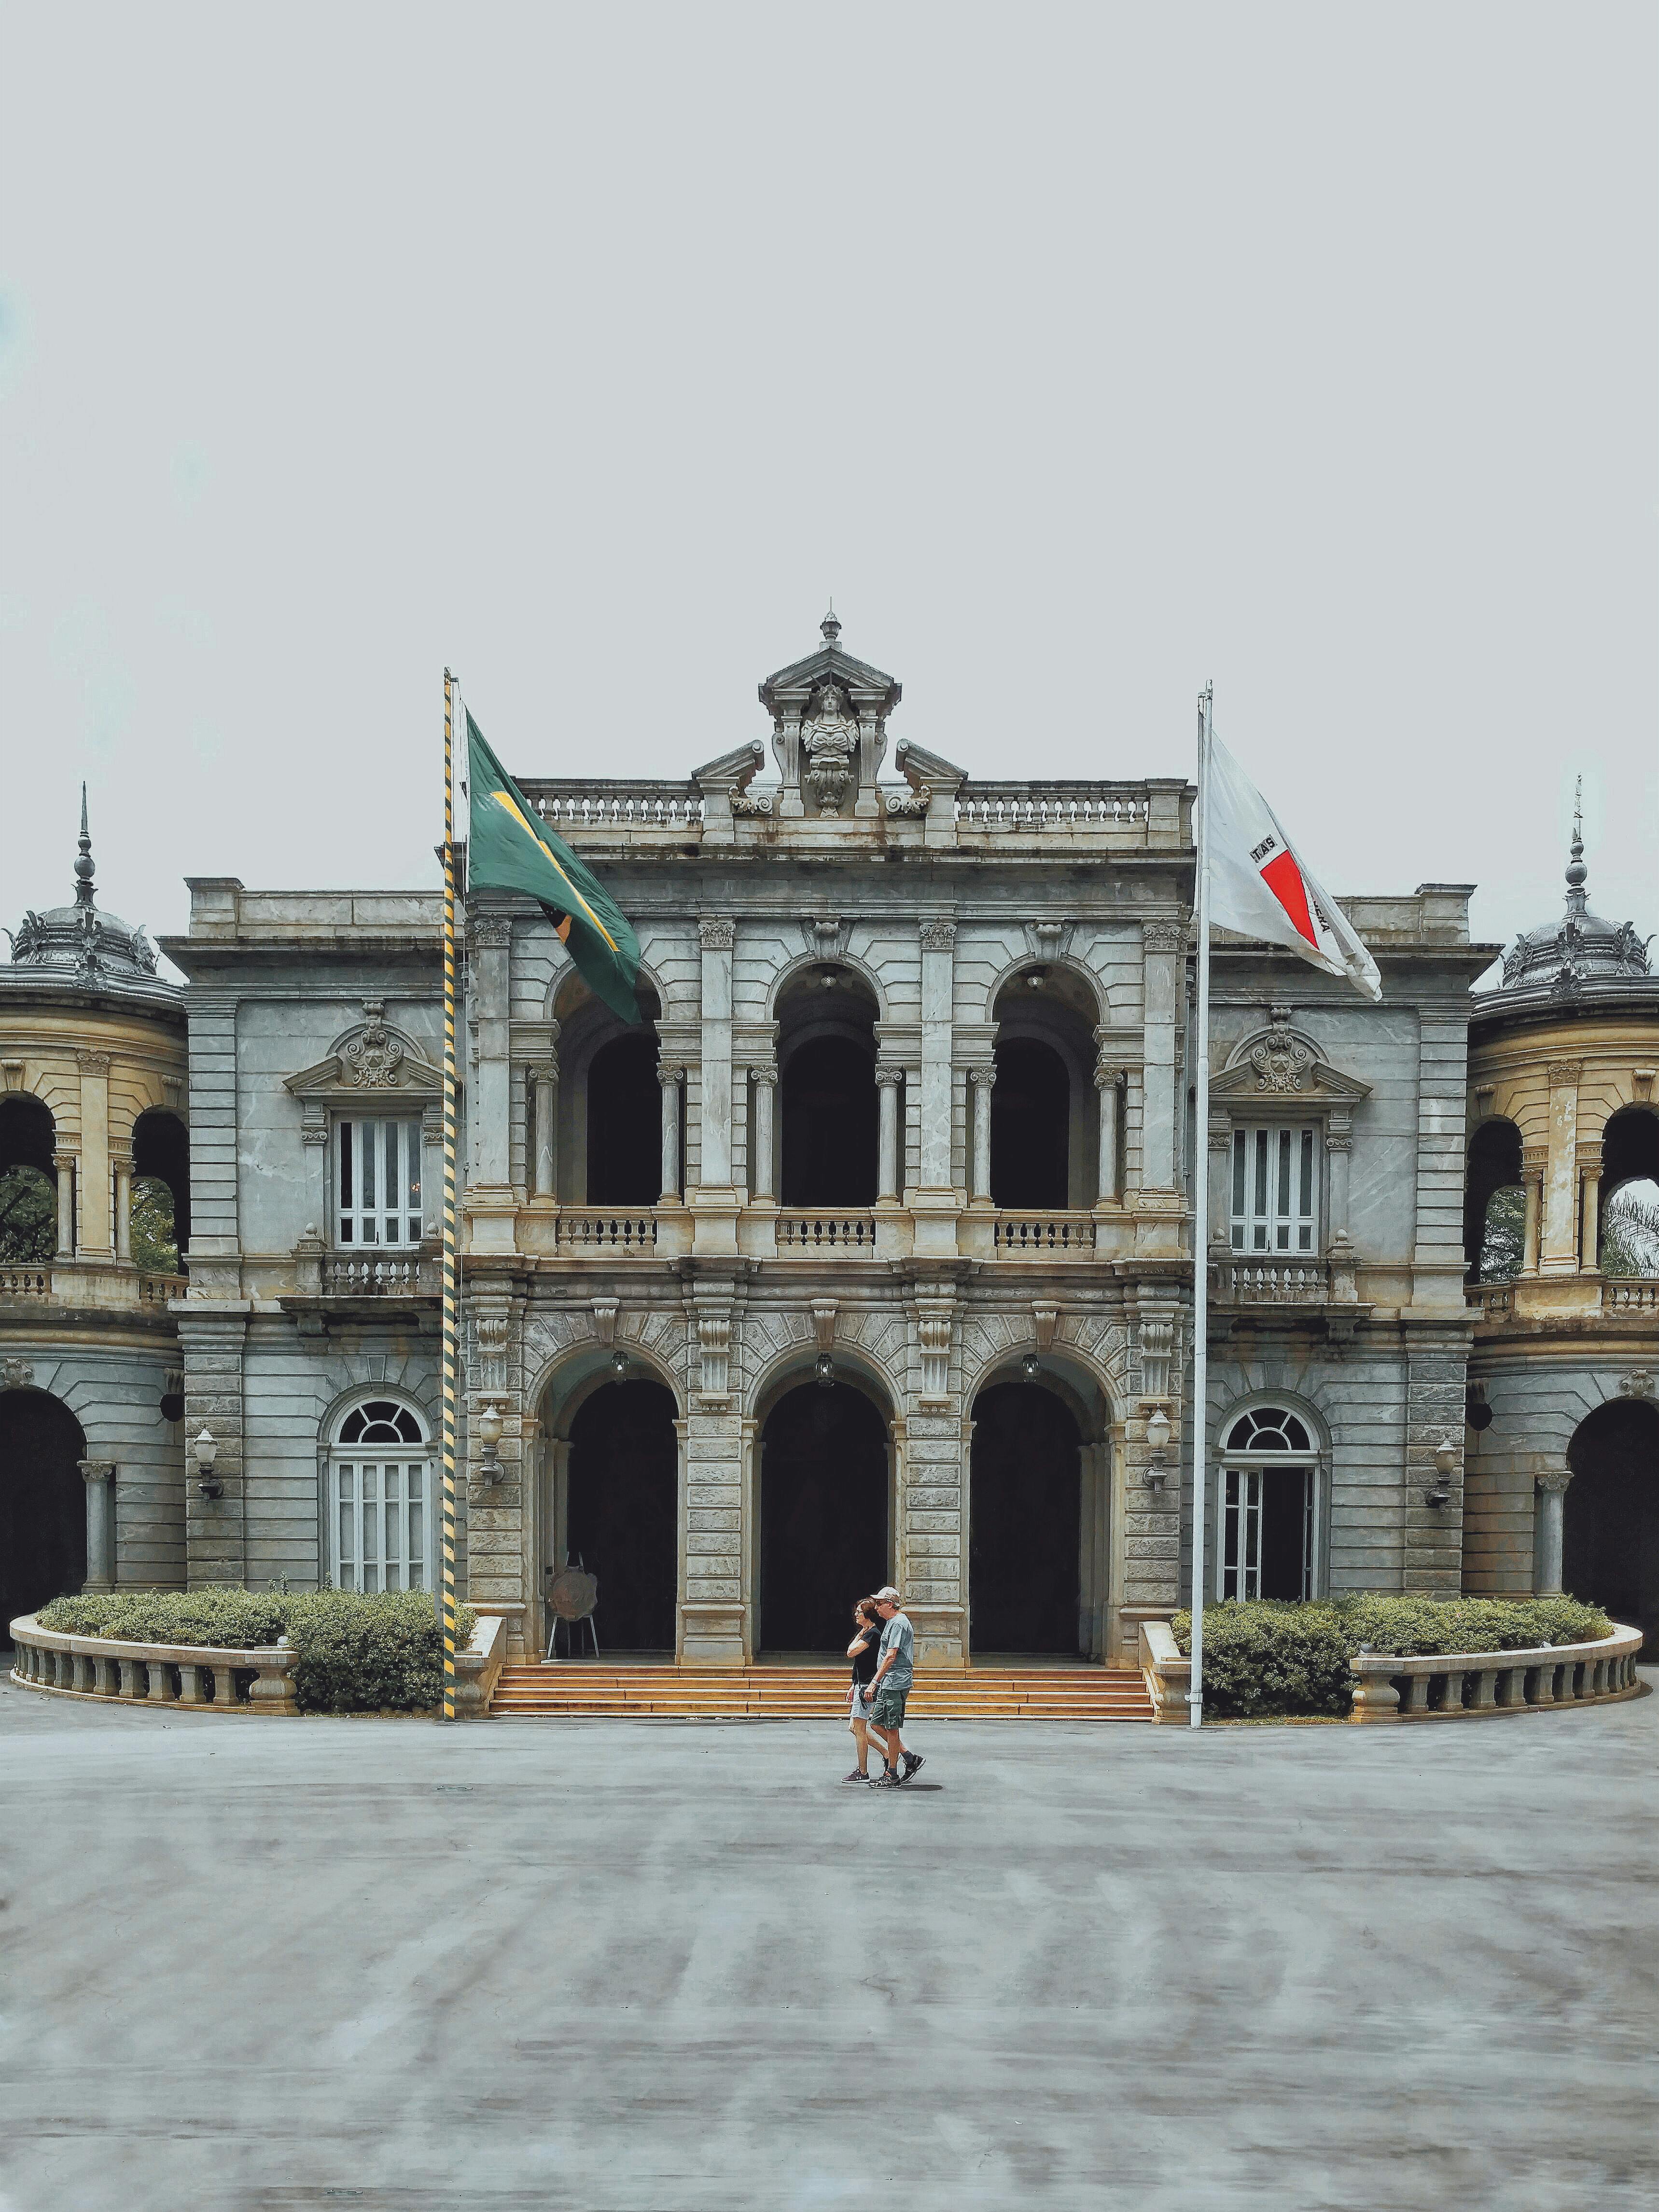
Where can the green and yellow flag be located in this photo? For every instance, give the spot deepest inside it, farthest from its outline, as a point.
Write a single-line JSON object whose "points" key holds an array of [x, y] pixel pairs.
{"points": [[509, 849]]}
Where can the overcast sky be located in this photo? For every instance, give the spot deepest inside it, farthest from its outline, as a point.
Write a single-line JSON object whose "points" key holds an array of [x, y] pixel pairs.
{"points": [[1081, 354]]}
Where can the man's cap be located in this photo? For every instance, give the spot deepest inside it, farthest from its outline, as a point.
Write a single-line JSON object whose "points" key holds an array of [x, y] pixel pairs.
{"points": [[888, 1596]]}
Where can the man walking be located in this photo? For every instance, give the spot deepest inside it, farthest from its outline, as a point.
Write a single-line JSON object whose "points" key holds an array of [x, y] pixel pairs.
{"points": [[890, 1686]]}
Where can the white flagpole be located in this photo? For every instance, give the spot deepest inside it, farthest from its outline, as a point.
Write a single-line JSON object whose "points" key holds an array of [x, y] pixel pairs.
{"points": [[1198, 1418]]}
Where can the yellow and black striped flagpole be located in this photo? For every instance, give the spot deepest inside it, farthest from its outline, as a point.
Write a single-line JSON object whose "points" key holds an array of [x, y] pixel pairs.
{"points": [[451, 1346]]}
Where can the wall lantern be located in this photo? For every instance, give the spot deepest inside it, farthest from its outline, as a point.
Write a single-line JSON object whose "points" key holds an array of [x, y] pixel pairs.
{"points": [[824, 1368], [1158, 1433], [205, 1450], [489, 1427], [1031, 1367], [1445, 1468], [619, 1362]]}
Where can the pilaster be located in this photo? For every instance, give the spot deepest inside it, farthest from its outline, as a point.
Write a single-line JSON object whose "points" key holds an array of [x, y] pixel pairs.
{"points": [[213, 1335]]}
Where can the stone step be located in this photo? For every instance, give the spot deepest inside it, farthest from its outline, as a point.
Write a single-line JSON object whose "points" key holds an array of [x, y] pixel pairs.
{"points": [[588, 1689]]}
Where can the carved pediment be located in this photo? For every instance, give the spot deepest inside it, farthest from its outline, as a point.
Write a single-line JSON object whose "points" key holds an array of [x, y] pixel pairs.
{"points": [[1278, 1065], [372, 1062]]}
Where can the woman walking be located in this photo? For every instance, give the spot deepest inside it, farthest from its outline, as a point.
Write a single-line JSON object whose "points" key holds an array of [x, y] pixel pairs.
{"points": [[866, 1636]]}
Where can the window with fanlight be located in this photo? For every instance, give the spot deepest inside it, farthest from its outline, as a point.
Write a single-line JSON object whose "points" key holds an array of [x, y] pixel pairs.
{"points": [[380, 1498], [1268, 1505]]}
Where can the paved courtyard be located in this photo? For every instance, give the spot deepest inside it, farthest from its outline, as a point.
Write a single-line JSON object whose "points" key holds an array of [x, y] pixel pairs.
{"points": [[255, 1966]]}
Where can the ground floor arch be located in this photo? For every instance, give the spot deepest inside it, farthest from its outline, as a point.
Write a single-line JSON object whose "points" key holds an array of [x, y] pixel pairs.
{"points": [[1031, 1524], [825, 1513], [615, 1508], [43, 1507], [1610, 1520]]}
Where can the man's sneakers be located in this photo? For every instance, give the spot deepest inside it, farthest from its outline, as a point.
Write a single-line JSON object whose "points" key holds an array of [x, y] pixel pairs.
{"points": [[887, 1779], [913, 1765], [857, 1775]]}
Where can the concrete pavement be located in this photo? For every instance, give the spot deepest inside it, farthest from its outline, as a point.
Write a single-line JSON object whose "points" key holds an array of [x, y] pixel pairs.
{"points": [[256, 1966]]}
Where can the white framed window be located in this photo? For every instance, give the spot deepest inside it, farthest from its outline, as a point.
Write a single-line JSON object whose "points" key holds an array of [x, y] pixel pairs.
{"points": [[1268, 1507], [1275, 1190], [377, 1184], [380, 1500]]}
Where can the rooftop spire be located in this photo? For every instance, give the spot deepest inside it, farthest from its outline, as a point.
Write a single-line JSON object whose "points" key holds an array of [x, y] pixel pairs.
{"points": [[84, 864], [830, 625], [1577, 871]]}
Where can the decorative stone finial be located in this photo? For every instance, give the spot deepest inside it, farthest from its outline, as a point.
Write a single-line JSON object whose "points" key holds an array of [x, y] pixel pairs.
{"points": [[84, 868], [1577, 871], [830, 625]]}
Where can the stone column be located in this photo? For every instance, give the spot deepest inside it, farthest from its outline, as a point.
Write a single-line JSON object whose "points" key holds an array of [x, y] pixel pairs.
{"points": [[888, 1080], [1559, 1254], [1220, 1159], [98, 1475], [1533, 1161], [490, 943], [765, 1080], [981, 1081], [63, 1162], [545, 1078], [1551, 1510], [933, 1202], [122, 1159], [214, 1337], [1106, 1183], [1590, 1177], [96, 1239], [1164, 956], [1339, 1245], [668, 1077], [713, 1200]]}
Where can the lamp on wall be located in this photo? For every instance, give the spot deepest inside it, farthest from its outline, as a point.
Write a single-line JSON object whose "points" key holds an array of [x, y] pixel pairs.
{"points": [[619, 1362], [1158, 1433], [824, 1368], [205, 1450], [1031, 1367], [1445, 1468], [489, 1427]]}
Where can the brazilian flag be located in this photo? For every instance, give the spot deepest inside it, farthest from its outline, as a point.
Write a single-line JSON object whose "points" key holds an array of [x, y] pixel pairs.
{"points": [[509, 849]]}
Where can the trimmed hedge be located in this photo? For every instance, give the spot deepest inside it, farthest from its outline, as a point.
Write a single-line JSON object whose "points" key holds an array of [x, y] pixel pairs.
{"points": [[353, 1653], [1269, 1657]]}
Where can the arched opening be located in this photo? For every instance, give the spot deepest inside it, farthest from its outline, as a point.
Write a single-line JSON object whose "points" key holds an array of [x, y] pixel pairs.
{"points": [[1030, 1126], [1268, 1507], [619, 1511], [824, 1539], [625, 1125], [160, 1230], [605, 1147], [1610, 1518], [43, 1506], [1025, 1523], [1629, 1222], [1045, 1143], [828, 1112], [28, 1180], [1494, 1205]]}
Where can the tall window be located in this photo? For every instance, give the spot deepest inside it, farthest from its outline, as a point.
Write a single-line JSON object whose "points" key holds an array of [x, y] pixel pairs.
{"points": [[380, 1517], [377, 1182], [1269, 1469], [1275, 1191]]}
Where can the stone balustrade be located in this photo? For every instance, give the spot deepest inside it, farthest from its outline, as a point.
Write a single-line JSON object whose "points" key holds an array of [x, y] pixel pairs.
{"points": [[1246, 1282], [25, 1282], [209, 1678], [1458, 1684], [1624, 1297], [585, 803], [1491, 1301], [1057, 1236], [1441, 1686], [821, 1230], [1051, 806], [610, 1233], [91, 1284], [365, 1276]]}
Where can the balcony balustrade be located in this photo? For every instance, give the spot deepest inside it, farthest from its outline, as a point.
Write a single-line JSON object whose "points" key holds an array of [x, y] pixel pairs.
{"points": [[607, 1233], [1056, 1236], [1246, 1282], [821, 1229]]}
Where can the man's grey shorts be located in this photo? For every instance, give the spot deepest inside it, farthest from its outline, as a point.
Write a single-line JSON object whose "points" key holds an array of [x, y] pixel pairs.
{"points": [[888, 1707]]}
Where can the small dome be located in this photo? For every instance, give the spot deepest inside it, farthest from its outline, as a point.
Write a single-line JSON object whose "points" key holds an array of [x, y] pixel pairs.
{"points": [[1562, 957], [80, 939]]}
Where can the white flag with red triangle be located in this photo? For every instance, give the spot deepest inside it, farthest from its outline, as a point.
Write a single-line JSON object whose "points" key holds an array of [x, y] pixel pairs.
{"points": [[1261, 886]]}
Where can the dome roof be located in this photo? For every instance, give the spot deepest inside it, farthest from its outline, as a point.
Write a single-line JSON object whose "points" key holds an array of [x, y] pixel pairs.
{"points": [[1562, 957], [81, 940]]}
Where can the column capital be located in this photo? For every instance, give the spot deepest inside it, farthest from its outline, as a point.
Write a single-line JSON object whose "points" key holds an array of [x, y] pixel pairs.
{"points": [[65, 1156], [1534, 1158], [491, 933], [1107, 1072], [96, 1470], [888, 1076], [1565, 1073], [1163, 936], [766, 1074], [1554, 1480], [716, 932], [982, 1078], [938, 935], [92, 1063], [669, 1073]]}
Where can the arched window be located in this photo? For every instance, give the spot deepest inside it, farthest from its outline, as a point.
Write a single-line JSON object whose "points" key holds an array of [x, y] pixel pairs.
{"points": [[625, 1151], [827, 1100], [1268, 1506], [1494, 1204], [161, 1190], [1629, 1236], [380, 1498]]}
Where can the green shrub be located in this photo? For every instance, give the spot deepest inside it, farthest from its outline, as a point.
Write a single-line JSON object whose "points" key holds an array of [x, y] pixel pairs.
{"points": [[354, 1652], [1268, 1657]]}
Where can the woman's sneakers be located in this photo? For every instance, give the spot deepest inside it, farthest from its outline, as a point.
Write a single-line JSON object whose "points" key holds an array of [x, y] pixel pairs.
{"points": [[913, 1765], [857, 1775]]}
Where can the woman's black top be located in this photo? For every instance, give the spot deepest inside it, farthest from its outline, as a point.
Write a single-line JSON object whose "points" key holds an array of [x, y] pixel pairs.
{"points": [[864, 1664]]}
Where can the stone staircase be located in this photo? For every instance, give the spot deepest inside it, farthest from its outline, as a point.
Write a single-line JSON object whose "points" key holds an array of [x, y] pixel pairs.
{"points": [[594, 1690]]}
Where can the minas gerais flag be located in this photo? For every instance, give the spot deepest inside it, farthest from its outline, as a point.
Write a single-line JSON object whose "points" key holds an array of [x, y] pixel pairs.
{"points": [[509, 849]]}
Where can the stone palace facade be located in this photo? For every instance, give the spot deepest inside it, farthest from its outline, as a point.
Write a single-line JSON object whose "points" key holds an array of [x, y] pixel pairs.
{"points": [[863, 1257]]}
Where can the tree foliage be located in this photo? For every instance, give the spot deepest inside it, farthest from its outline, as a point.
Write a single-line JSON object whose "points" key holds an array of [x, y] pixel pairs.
{"points": [[1630, 1230], [28, 1215], [155, 1237], [1503, 1243]]}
